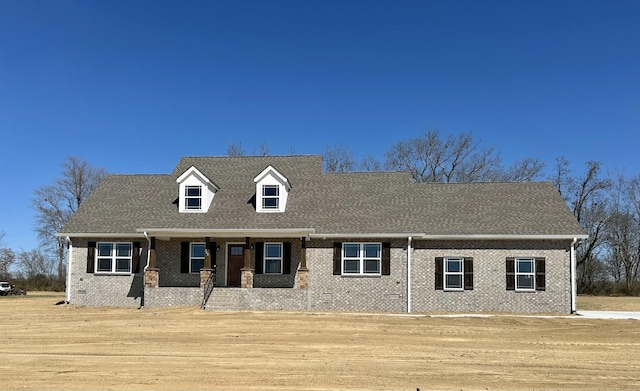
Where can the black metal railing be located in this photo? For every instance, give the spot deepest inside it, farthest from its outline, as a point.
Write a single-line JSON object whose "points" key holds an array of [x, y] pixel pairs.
{"points": [[208, 288]]}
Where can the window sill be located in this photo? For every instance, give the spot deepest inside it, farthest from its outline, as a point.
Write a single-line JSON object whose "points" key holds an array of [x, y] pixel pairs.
{"points": [[361, 275], [113, 274]]}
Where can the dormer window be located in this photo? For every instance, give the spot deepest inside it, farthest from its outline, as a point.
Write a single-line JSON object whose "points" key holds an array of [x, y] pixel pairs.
{"points": [[270, 197], [196, 191], [193, 197], [272, 190]]}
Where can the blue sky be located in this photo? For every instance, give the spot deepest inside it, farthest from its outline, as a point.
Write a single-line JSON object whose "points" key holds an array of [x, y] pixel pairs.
{"points": [[131, 86]]}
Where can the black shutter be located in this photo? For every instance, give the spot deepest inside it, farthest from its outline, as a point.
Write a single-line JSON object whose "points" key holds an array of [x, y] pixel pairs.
{"points": [[511, 273], [386, 258], [259, 246], [184, 257], [135, 260], [540, 274], [439, 276], [468, 273], [286, 265], [337, 258], [91, 254]]}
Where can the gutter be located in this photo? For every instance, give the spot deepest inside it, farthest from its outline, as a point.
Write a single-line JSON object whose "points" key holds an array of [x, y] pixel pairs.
{"points": [[67, 241], [228, 233], [574, 288], [100, 235], [409, 251]]}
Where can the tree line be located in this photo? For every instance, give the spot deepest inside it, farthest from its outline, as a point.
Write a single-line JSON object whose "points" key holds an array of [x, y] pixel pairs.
{"points": [[607, 205]]}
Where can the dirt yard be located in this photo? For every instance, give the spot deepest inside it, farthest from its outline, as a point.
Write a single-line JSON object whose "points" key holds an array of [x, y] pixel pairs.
{"points": [[49, 347]]}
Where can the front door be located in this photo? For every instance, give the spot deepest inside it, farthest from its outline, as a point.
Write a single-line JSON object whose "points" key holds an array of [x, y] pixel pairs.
{"points": [[235, 262]]}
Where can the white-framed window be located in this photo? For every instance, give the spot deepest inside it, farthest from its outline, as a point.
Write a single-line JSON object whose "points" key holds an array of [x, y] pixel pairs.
{"points": [[453, 273], [525, 274], [196, 257], [271, 197], [272, 258], [361, 258], [114, 257], [193, 197]]}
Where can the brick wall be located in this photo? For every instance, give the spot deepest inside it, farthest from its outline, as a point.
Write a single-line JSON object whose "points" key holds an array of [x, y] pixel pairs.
{"points": [[355, 293], [489, 292], [342, 293], [102, 289]]}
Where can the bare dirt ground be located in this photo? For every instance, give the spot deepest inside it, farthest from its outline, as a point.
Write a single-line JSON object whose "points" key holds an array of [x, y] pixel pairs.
{"points": [[49, 347]]}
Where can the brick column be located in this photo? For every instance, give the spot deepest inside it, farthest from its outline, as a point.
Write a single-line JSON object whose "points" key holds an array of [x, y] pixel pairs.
{"points": [[246, 276], [204, 276], [151, 277], [303, 272]]}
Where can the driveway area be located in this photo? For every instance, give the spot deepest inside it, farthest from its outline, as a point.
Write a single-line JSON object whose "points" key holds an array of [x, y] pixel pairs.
{"points": [[610, 314]]}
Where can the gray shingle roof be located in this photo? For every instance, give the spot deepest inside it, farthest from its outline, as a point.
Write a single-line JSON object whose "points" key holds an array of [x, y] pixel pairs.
{"points": [[334, 203]]}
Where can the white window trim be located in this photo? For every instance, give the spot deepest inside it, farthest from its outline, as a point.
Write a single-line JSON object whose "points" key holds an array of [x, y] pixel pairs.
{"points": [[446, 273], [532, 274], [188, 197], [113, 258], [191, 257], [361, 258], [265, 197], [265, 258]]}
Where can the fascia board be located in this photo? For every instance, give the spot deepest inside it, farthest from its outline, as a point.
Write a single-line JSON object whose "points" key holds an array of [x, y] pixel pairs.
{"points": [[501, 237], [229, 233], [100, 235]]}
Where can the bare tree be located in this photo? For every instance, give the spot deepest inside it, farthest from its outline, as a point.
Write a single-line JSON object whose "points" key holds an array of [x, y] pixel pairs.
{"points": [[36, 263], [370, 164], [235, 150], [587, 196], [455, 158], [622, 233], [338, 159], [263, 149], [7, 258], [56, 203]]}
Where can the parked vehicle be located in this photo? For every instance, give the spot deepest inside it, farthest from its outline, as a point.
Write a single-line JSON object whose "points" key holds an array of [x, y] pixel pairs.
{"points": [[5, 288], [10, 289]]}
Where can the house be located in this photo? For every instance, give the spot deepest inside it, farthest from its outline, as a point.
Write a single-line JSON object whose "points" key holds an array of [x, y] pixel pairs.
{"points": [[275, 232]]}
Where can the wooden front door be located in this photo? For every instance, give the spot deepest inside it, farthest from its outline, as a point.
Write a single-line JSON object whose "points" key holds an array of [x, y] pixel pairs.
{"points": [[235, 262]]}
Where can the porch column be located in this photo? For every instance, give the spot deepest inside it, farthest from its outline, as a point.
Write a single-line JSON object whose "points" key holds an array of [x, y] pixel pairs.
{"points": [[207, 270], [246, 278], [303, 272], [152, 273]]}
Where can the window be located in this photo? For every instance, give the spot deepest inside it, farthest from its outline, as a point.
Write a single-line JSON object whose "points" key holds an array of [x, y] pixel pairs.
{"points": [[525, 274], [196, 257], [273, 258], [361, 258], [113, 257], [453, 273], [270, 197], [193, 197]]}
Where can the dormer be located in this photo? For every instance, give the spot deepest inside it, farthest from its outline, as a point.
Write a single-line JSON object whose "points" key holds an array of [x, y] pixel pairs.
{"points": [[196, 191], [272, 189]]}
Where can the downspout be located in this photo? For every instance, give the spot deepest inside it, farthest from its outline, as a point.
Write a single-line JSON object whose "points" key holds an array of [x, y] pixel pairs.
{"points": [[67, 241], [144, 270], [574, 289], [409, 251]]}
